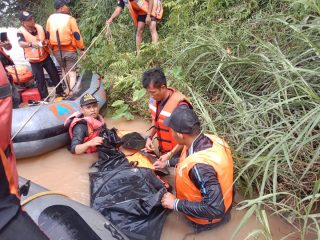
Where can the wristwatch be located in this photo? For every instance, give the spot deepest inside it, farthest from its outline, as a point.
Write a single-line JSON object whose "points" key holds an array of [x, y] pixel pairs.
{"points": [[30, 44]]}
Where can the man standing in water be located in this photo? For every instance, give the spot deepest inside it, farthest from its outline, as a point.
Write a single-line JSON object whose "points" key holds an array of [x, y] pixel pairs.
{"points": [[146, 13], [204, 173], [32, 39], [85, 126], [64, 39], [163, 100], [14, 222]]}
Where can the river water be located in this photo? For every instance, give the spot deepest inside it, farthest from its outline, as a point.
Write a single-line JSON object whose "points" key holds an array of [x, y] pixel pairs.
{"points": [[63, 172]]}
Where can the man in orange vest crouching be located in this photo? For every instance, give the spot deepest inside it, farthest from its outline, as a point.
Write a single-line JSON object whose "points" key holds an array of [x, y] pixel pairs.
{"points": [[204, 173], [85, 126], [32, 39], [64, 39], [142, 12], [163, 100], [15, 223]]}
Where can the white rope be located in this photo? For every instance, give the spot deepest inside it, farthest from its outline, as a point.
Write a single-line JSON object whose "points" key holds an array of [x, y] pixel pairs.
{"points": [[63, 79]]}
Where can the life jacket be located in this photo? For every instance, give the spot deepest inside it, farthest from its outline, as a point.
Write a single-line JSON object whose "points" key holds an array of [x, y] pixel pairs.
{"points": [[60, 24], [164, 133], [94, 127], [141, 7], [9, 182], [23, 72], [220, 158], [33, 54]]}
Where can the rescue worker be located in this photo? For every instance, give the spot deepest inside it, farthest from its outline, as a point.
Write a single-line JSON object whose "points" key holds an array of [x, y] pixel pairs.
{"points": [[64, 39], [14, 222], [147, 12], [32, 39], [85, 126], [163, 100], [204, 173]]}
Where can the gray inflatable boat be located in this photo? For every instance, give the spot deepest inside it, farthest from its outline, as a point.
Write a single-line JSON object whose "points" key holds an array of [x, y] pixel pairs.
{"points": [[62, 218], [45, 130]]}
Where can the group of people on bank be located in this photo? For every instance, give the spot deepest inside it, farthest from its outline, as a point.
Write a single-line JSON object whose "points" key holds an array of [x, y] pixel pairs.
{"points": [[63, 40], [203, 162]]}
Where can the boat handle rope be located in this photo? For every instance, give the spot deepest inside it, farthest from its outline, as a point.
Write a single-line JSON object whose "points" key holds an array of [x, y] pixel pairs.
{"points": [[109, 38], [41, 194]]}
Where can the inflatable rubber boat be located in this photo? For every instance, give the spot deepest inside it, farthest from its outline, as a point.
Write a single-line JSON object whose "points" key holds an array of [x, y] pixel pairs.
{"points": [[45, 131], [62, 218]]}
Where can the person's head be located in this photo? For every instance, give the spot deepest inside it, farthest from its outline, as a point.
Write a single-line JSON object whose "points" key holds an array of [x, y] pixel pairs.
{"points": [[89, 106], [27, 19], [155, 82], [61, 6], [185, 125]]}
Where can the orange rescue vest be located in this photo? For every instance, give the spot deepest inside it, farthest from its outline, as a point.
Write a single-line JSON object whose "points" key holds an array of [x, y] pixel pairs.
{"points": [[164, 133], [33, 54], [8, 160], [220, 158], [94, 127], [141, 7], [59, 23]]}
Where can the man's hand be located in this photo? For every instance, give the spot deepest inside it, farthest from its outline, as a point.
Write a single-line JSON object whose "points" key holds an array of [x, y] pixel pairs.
{"points": [[4, 44], [148, 20], [35, 45], [165, 157], [109, 21], [95, 142], [159, 164], [149, 144], [167, 200]]}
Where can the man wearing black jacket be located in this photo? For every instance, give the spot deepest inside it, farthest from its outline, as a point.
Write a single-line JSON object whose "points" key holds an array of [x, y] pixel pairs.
{"points": [[204, 174]]}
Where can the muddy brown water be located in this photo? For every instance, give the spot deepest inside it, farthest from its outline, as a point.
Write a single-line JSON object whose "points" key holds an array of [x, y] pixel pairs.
{"points": [[61, 171]]}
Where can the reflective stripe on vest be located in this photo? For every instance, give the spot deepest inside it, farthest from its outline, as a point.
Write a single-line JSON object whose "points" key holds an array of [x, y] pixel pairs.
{"points": [[60, 22], [94, 127], [141, 7], [5, 91], [33, 54], [220, 158], [164, 133]]}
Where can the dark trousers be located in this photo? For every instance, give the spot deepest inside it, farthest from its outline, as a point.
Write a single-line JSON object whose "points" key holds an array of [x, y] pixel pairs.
{"points": [[22, 227], [200, 228], [37, 70]]}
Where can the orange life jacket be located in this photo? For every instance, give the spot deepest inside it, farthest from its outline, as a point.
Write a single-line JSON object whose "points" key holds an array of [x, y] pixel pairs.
{"points": [[61, 23], [141, 7], [220, 158], [33, 54], [24, 73], [164, 133], [94, 127], [8, 160]]}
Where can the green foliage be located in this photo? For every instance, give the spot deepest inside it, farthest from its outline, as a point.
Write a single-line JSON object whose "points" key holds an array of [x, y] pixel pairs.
{"points": [[251, 70]]}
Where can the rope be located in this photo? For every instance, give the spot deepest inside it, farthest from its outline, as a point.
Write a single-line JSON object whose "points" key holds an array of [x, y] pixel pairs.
{"points": [[41, 194], [63, 79]]}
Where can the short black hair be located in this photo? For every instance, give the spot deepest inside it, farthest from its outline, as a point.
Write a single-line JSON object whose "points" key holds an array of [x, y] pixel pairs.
{"points": [[155, 76], [196, 130]]}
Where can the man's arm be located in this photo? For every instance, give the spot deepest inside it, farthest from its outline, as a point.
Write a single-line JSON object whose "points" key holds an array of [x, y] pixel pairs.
{"points": [[22, 42], [116, 12], [148, 18], [76, 33], [212, 205]]}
